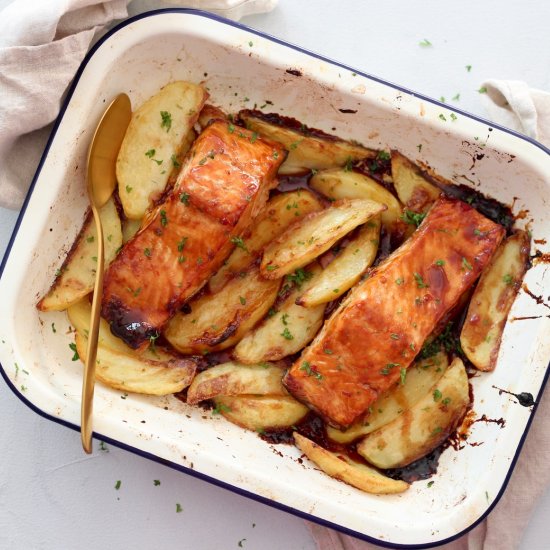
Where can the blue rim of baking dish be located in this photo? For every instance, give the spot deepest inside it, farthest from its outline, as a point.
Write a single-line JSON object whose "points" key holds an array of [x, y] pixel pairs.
{"points": [[179, 467]]}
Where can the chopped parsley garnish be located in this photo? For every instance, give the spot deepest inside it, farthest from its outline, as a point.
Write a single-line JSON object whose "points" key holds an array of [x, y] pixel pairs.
{"points": [[387, 369], [446, 401], [383, 155], [163, 218], [272, 267], [150, 153], [440, 262], [442, 117], [328, 351], [306, 367], [348, 167], [394, 336], [175, 162], [466, 264], [482, 90], [166, 120], [128, 190], [468, 68], [181, 244], [242, 300], [299, 277], [147, 252], [54, 330], [403, 375], [430, 483], [446, 340], [453, 117], [103, 447], [75, 357], [413, 218], [508, 279], [284, 318], [118, 484], [425, 43], [184, 197], [437, 430], [239, 243], [240, 543], [253, 137], [437, 395], [399, 281], [456, 97], [272, 311], [178, 508], [220, 407], [156, 482], [286, 334], [420, 281]]}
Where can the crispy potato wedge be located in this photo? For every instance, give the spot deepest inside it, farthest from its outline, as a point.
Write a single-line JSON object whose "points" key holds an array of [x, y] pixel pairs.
{"points": [[420, 378], [79, 316], [492, 300], [341, 184], [346, 269], [134, 373], [279, 212], [218, 321], [157, 135], [307, 149], [343, 468], [77, 274], [413, 189], [287, 330], [309, 237], [261, 412], [236, 379], [424, 426], [129, 229]]}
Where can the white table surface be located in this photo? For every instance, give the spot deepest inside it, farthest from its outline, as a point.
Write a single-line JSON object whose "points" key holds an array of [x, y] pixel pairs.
{"points": [[52, 496]]}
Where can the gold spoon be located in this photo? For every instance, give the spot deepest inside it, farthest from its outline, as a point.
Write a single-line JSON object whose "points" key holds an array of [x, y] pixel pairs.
{"points": [[100, 186]]}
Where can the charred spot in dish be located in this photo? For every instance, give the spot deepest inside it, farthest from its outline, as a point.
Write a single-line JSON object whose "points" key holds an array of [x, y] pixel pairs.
{"points": [[294, 72]]}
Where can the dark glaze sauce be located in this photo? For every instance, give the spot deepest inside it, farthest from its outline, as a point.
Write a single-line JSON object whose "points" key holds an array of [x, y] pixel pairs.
{"points": [[423, 468], [525, 399]]}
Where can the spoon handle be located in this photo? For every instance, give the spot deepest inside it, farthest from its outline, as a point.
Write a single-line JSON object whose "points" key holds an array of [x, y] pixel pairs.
{"points": [[91, 349]]}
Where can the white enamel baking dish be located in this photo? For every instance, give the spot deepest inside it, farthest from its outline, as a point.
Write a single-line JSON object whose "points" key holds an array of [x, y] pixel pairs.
{"points": [[237, 63]]}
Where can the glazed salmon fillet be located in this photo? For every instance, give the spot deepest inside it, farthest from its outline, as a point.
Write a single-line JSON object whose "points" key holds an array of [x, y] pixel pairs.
{"points": [[380, 328], [224, 182]]}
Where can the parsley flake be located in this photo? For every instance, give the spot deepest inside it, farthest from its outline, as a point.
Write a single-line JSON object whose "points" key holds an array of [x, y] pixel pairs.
{"points": [[239, 243], [166, 118], [75, 357], [286, 334]]}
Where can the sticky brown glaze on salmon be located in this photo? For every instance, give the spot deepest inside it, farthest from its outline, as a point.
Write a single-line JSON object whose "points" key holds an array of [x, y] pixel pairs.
{"points": [[379, 329], [224, 182]]}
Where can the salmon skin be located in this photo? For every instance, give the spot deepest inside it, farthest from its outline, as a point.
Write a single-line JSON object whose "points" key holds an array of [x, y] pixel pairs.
{"points": [[380, 328], [224, 182]]}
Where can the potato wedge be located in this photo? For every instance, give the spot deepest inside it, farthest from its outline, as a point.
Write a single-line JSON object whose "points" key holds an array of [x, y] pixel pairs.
{"points": [[79, 316], [413, 189], [156, 136], [308, 238], [492, 301], [419, 379], [218, 321], [279, 212], [76, 277], [261, 412], [346, 269], [424, 426], [287, 330], [236, 379], [341, 184], [307, 149], [129, 229], [132, 373], [343, 468]]}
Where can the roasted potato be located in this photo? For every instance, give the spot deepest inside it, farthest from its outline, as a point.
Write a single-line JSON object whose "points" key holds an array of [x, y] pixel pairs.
{"points": [[261, 412], [158, 136], [76, 277], [307, 149], [491, 302], [345, 184], [218, 321], [133, 373], [343, 468], [279, 212], [235, 379], [346, 269], [288, 327], [413, 189], [419, 379], [129, 229], [424, 426], [309, 237]]}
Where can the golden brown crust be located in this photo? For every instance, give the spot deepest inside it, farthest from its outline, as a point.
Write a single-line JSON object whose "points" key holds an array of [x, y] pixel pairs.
{"points": [[381, 327], [224, 182]]}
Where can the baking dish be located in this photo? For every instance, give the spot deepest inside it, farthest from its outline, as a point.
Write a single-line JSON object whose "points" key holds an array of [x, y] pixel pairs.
{"points": [[241, 68]]}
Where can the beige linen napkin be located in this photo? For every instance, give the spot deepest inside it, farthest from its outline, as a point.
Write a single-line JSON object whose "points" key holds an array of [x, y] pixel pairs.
{"points": [[41, 46], [525, 110]]}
